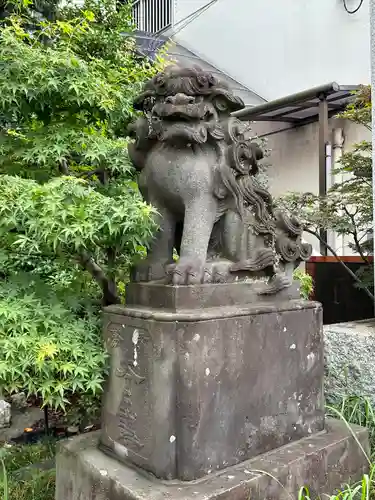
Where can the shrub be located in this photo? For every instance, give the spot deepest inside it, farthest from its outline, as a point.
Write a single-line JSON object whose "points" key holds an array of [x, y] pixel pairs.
{"points": [[46, 349], [71, 216], [306, 283]]}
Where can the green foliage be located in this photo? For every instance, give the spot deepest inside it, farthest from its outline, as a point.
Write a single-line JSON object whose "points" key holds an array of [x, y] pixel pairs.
{"points": [[39, 9], [360, 109], [66, 100], [85, 410], [306, 283], [65, 216], [347, 208], [17, 457], [355, 409], [364, 489], [38, 484], [46, 349], [71, 216]]}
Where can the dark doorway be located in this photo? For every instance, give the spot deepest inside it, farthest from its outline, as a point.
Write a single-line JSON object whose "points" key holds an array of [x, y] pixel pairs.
{"points": [[335, 290]]}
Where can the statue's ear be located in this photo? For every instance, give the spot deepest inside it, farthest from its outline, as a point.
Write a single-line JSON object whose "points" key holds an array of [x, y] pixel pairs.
{"points": [[225, 101], [257, 151], [140, 103], [131, 130]]}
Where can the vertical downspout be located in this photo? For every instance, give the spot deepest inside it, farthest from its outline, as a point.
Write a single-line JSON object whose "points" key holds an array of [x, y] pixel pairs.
{"points": [[338, 243], [330, 162], [372, 37], [323, 142]]}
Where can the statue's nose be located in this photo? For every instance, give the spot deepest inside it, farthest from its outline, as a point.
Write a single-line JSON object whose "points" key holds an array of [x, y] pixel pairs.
{"points": [[179, 99]]}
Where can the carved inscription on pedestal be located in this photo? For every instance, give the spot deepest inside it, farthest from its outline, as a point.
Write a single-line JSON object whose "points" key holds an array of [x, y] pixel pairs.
{"points": [[135, 344]]}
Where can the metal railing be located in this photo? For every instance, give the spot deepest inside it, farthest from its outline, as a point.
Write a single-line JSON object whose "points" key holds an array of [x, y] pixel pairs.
{"points": [[152, 16]]}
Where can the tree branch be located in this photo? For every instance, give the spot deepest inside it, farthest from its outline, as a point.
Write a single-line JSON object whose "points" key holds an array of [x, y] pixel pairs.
{"points": [[103, 176], [354, 233], [111, 259], [359, 248], [347, 268], [63, 167], [108, 286], [100, 172], [89, 173]]}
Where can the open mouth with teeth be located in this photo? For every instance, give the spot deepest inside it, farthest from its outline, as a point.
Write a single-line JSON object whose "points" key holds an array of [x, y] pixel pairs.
{"points": [[182, 117], [190, 113], [182, 122], [179, 117]]}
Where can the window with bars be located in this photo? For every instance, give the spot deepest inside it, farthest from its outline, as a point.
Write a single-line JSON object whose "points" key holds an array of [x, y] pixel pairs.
{"points": [[152, 16]]}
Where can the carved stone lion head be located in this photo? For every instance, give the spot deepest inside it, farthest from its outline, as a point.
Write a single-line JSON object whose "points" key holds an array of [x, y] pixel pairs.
{"points": [[187, 105]]}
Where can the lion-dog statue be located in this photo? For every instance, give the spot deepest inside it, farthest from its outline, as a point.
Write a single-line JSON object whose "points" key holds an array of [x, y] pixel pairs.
{"points": [[198, 168]]}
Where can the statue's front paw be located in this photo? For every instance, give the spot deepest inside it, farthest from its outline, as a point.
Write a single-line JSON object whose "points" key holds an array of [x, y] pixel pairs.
{"points": [[187, 271]]}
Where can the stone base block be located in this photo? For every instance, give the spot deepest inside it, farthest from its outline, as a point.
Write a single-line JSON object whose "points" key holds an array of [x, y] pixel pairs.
{"points": [[194, 391], [322, 462]]}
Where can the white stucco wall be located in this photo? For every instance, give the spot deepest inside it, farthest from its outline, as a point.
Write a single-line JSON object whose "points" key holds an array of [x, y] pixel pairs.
{"points": [[278, 47], [184, 9], [181, 55], [294, 162]]}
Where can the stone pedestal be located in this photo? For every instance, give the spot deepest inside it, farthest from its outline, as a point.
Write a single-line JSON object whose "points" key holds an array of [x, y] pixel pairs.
{"points": [[322, 462], [209, 385], [205, 377]]}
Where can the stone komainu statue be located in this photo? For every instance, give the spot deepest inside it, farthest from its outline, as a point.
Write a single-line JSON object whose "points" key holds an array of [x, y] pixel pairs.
{"points": [[197, 168]]}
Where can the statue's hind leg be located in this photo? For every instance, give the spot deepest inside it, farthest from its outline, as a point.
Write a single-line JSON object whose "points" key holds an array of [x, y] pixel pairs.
{"points": [[160, 253]]}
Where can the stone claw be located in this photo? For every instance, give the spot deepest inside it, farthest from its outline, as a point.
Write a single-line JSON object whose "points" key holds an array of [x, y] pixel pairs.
{"points": [[186, 272], [275, 284], [218, 271]]}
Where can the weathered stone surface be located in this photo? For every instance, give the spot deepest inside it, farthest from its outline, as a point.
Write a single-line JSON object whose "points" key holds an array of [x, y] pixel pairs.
{"points": [[198, 167], [182, 298], [191, 392], [349, 354], [5, 414], [21, 420], [19, 401], [323, 462], [30, 471]]}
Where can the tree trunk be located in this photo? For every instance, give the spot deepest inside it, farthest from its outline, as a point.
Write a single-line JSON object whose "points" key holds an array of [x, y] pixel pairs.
{"points": [[108, 285]]}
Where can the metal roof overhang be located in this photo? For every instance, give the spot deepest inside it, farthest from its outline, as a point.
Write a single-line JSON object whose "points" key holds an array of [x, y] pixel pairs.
{"points": [[300, 108], [316, 104]]}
